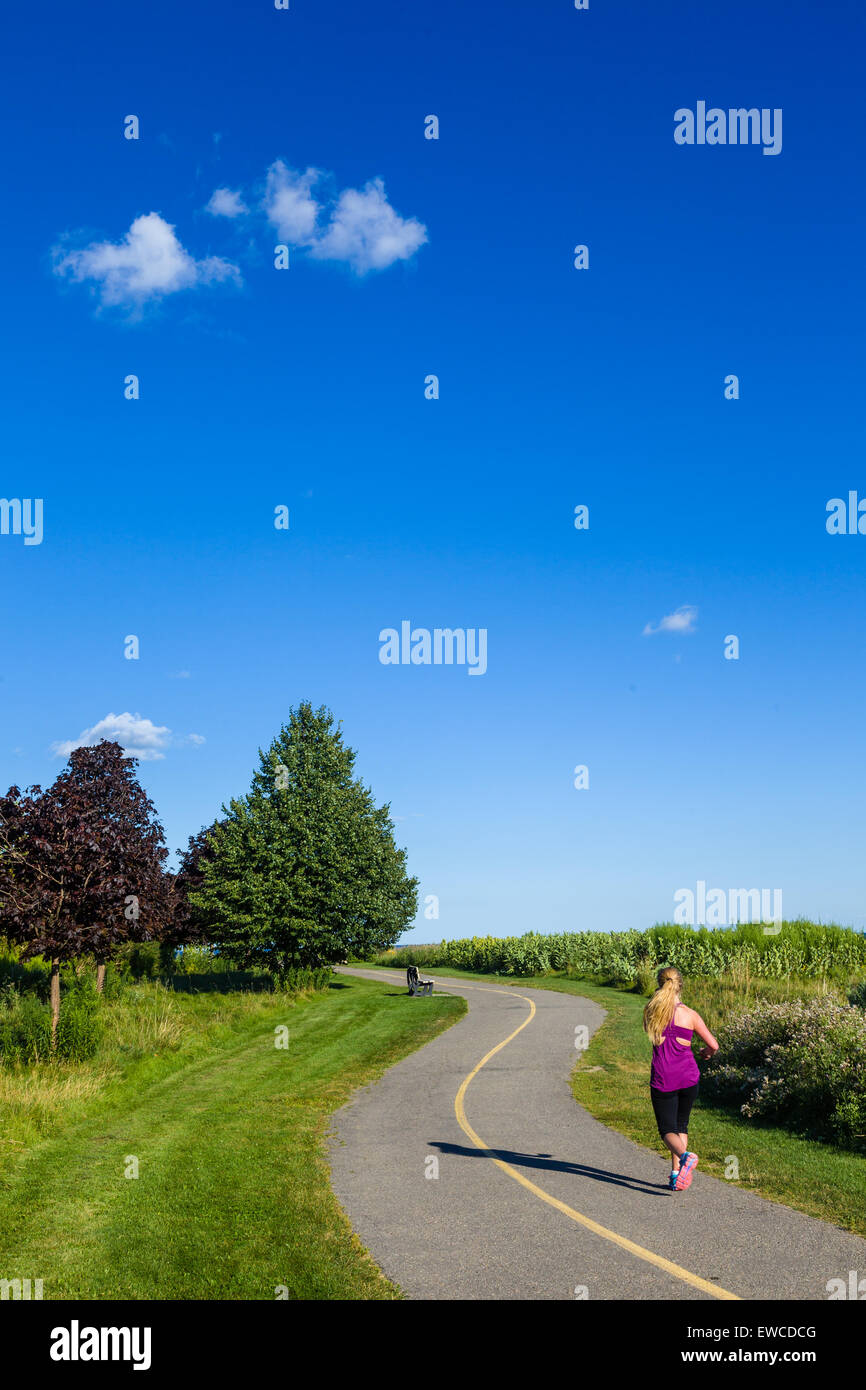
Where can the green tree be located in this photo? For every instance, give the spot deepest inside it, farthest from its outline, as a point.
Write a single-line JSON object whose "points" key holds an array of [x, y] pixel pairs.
{"points": [[185, 925], [304, 871]]}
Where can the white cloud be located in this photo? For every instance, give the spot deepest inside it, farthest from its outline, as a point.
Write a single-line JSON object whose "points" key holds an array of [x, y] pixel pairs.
{"points": [[225, 202], [366, 232], [148, 263], [139, 738], [363, 229], [196, 739], [359, 228], [290, 205], [683, 620]]}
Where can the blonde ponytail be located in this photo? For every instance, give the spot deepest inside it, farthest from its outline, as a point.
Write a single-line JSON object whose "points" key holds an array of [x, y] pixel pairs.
{"points": [[661, 1008]]}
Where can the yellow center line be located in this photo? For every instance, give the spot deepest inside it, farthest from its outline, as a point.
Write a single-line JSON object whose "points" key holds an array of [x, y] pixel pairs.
{"points": [[649, 1256]]}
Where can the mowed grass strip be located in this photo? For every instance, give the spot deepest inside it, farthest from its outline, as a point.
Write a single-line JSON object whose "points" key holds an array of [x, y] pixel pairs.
{"points": [[233, 1198], [818, 1179]]}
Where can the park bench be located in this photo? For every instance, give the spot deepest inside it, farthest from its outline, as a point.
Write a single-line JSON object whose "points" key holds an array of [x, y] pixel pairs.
{"points": [[416, 984]]}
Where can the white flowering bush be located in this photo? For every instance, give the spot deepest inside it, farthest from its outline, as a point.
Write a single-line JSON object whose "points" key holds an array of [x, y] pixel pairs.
{"points": [[801, 1064]]}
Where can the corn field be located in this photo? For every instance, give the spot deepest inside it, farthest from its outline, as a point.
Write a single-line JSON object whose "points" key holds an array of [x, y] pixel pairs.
{"points": [[805, 949]]}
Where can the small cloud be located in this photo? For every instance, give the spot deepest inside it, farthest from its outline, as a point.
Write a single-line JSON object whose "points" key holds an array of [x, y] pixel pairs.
{"points": [[147, 264], [139, 738], [683, 620], [366, 232], [196, 739], [226, 202], [178, 675], [289, 203]]}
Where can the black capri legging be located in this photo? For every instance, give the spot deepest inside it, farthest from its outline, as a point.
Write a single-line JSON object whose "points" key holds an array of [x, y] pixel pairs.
{"points": [[673, 1108]]}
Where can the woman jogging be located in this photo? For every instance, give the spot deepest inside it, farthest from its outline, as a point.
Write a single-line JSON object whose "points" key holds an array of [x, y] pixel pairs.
{"points": [[674, 1077]]}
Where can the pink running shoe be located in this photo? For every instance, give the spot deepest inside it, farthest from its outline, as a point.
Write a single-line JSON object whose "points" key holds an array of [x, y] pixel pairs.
{"points": [[688, 1164]]}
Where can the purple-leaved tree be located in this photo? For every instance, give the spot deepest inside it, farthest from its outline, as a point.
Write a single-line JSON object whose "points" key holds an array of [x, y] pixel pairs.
{"points": [[81, 864]]}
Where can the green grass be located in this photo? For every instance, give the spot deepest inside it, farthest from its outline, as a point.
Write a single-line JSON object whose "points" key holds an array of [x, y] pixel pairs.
{"points": [[818, 1179], [233, 1198]]}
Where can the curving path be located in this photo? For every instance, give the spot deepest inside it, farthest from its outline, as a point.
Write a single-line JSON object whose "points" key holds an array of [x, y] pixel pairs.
{"points": [[558, 1206]]}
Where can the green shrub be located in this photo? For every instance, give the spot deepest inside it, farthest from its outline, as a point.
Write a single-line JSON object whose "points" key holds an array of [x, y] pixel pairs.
{"points": [[801, 1064], [294, 981], [141, 959], [400, 957], [25, 1025], [857, 995], [646, 981], [222, 982], [118, 978], [301, 979], [196, 960], [25, 1028], [80, 1029], [31, 976]]}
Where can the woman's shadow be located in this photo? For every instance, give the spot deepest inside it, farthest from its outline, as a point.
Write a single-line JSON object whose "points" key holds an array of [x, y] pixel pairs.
{"points": [[554, 1165]]}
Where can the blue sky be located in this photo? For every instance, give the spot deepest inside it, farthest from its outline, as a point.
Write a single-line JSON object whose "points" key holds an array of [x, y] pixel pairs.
{"points": [[558, 387]]}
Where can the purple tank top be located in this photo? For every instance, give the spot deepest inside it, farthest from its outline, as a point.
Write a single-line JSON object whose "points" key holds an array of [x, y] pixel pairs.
{"points": [[674, 1065]]}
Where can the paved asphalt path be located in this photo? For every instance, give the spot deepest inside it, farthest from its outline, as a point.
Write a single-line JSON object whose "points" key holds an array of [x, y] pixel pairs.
{"points": [[570, 1205]]}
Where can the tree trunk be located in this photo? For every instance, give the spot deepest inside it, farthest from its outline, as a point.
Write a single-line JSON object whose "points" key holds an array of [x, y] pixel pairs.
{"points": [[55, 1000], [100, 976]]}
